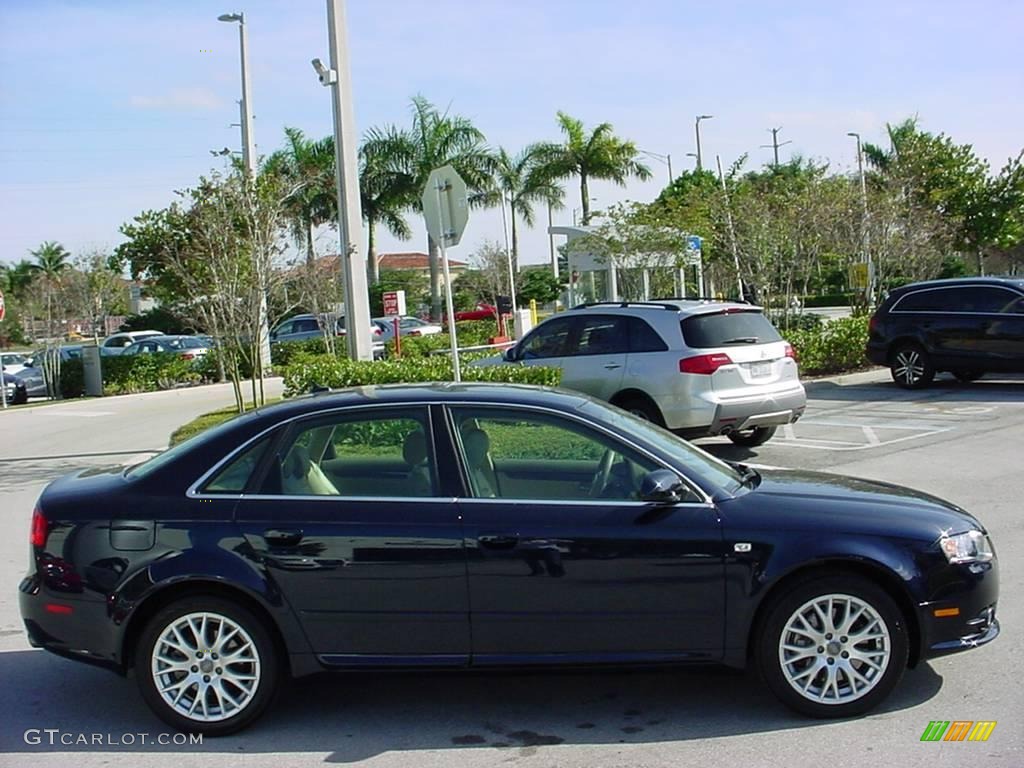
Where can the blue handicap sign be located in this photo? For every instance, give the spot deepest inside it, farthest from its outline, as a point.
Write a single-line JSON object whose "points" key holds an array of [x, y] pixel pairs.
{"points": [[693, 242]]}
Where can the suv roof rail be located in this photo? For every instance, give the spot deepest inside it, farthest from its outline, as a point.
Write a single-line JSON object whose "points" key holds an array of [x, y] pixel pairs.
{"points": [[650, 304], [729, 299]]}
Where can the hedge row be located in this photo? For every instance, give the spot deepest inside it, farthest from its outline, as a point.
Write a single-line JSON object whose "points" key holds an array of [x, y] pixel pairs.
{"points": [[128, 375], [470, 333], [309, 371], [834, 347]]}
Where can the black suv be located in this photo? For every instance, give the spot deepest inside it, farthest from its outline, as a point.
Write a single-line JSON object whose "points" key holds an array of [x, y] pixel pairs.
{"points": [[968, 326]]}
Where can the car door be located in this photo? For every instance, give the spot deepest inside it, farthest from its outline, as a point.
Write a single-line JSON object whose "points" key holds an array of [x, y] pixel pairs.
{"points": [[565, 563], [595, 355], [1002, 328], [350, 523], [546, 344]]}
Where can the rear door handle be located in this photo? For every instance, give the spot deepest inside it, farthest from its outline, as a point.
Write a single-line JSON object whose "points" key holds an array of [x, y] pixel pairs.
{"points": [[613, 366], [498, 540], [282, 537]]}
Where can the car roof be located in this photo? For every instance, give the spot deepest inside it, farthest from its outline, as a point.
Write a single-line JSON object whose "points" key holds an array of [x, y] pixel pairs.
{"points": [[997, 280], [682, 306]]}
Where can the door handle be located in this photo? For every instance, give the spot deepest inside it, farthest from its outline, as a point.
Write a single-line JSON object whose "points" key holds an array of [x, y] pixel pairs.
{"points": [[498, 540], [282, 537], [612, 366]]}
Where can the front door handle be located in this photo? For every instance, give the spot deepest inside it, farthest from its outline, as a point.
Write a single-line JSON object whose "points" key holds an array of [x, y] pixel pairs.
{"points": [[498, 540], [613, 366], [282, 537]]}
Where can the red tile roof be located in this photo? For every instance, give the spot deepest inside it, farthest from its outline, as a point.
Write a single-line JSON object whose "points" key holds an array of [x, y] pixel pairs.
{"points": [[411, 260]]}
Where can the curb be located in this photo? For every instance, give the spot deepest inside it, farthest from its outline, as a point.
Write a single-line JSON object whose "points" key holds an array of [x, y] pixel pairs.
{"points": [[875, 375]]}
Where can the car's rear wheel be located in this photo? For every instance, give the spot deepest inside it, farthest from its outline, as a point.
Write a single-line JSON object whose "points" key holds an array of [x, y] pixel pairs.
{"points": [[753, 437], [206, 665], [966, 377], [644, 409], [834, 646], [912, 367]]}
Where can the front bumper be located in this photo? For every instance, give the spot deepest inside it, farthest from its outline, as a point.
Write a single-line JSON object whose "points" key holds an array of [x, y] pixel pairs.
{"points": [[974, 598]]}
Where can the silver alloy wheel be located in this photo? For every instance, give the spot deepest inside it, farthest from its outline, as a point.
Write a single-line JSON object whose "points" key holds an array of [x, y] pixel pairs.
{"points": [[205, 667], [834, 649], [909, 366]]}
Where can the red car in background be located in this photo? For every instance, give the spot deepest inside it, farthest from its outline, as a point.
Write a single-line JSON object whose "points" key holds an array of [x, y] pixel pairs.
{"points": [[482, 312]]}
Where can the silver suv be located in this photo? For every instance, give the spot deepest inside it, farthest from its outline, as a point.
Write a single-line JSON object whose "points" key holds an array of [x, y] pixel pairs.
{"points": [[697, 367]]}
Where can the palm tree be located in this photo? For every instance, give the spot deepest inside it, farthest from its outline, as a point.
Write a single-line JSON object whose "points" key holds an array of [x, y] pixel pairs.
{"points": [[435, 139], [309, 166], [51, 263], [597, 155], [384, 194], [16, 278], [521, 181]]}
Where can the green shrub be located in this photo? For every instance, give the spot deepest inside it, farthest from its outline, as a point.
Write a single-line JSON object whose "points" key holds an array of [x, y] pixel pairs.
{"points": [[126, 375], [307, 371], [834, 347], [829, 300], [72, 379], [470, 333], [282, 352], [787, 321]]}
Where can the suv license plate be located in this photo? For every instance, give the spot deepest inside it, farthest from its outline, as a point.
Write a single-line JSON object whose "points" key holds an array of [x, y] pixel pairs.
{"points": [[758, 370]]}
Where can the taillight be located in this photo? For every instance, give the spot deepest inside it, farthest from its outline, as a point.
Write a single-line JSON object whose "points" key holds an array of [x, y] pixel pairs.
{"points": [[39, 529], [873, 324], [187, 356], [414, 333], [704, 364], [790, 352]]}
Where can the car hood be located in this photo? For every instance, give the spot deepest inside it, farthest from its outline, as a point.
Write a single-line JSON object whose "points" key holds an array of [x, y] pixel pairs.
{"points": [[790, 498]]}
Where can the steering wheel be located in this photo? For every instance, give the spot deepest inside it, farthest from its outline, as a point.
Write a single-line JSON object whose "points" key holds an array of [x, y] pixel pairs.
{"points": [[603, 474]]}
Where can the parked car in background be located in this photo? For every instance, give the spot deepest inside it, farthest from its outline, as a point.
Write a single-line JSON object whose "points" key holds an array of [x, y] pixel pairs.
{"points": [[305, 327], [698, 368], [12, 362], [15, 388], [32, 375], [482, 311], [116, 343], [285, 542], [407, 326], [967, 326], [188, 347]]}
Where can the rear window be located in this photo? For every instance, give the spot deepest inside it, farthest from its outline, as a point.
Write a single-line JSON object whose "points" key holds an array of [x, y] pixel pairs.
{"points": [[724, 329]]}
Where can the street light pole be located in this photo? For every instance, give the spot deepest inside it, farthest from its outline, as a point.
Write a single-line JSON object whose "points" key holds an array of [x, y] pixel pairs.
{"points": [[700, 166], [666, 159], [865, 234], [249, 161], [350, 217]]}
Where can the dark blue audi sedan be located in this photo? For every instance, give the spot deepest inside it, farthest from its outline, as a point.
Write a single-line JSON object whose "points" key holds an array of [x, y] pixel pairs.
{"points": [[476, 525]]}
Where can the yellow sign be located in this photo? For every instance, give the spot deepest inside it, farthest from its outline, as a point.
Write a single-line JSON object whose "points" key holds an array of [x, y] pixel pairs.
{"points": [[859, 276]]}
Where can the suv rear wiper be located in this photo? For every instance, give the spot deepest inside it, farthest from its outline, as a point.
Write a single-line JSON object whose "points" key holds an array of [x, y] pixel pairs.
{"points": [[742, 340]]}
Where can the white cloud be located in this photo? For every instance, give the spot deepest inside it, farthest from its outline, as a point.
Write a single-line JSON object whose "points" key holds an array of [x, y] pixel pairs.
{"points": [[179, 99]]}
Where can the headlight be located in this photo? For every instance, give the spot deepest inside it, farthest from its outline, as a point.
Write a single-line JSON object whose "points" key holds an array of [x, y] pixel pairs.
{"points": [[969, 547]]}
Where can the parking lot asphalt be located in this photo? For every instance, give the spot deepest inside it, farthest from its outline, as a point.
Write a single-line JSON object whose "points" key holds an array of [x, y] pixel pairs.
{"points": [[961, 442]]}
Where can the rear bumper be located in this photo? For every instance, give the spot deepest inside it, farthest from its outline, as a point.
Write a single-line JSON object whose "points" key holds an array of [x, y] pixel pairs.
{"points": [[769, 410], [877, 353]]}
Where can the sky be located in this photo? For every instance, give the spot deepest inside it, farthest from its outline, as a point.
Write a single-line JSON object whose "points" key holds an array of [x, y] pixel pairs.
{"points": [[106, 108]]}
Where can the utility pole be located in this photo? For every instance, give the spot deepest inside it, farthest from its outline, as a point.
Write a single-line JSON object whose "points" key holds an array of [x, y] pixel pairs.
{"points": [[697, 130], [774, 146], [350, 217], [865, 232]]}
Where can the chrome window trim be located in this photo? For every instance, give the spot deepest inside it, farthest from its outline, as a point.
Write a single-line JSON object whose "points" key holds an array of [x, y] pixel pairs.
{"points": [[193, 493], [895, 310], [633, 503]]}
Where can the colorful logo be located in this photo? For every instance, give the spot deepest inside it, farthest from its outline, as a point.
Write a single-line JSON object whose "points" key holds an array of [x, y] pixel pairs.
{"points": [[958, 730]]}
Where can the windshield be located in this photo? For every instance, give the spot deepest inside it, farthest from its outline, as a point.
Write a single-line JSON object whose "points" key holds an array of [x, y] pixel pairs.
{"points": [[699, 466]]}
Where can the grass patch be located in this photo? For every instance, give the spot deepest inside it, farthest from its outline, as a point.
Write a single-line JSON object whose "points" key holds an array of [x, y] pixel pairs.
{"points": [[207, 420]]}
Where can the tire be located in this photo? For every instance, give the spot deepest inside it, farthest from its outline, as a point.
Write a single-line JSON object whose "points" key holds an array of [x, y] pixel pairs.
{"points": [[911, 367], [751, 438], [791, 624], [249, 638], [20, 397], [644, 409], [966, 377]]}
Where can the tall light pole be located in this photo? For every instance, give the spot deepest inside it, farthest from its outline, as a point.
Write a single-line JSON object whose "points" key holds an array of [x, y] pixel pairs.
{"points": [[865, 234], [249, 161], [697, 129], [350, 216], [664, 159]]}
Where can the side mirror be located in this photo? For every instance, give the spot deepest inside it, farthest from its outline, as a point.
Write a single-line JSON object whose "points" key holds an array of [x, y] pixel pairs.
{"points": [[509, 355], [662, 486]]}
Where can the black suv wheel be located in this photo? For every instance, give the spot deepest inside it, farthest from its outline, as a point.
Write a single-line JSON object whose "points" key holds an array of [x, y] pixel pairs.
{"points": [[911, 366]]}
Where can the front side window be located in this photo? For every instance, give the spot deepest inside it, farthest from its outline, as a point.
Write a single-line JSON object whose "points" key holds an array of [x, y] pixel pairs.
{"points": [[517, 454], [548, 340], [365, 454]]}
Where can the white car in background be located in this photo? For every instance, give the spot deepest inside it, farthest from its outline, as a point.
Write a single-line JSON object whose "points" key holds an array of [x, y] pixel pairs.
{"points": [[407, 326], [116, 343], [12, 362]]}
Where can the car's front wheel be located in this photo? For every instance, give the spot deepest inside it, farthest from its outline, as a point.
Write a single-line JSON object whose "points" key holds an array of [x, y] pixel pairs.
{"points": [[754, 437], [834, 646], [206, 665], [911, 367]]}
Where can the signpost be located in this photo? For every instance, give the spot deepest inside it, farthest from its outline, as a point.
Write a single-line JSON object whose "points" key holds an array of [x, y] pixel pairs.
{"points": [[394, 303], [694, 258], [3, 379], [446, 211]]}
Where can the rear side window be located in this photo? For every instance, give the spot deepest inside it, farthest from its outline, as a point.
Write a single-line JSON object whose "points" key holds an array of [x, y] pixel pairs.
{"points": [[643, 338], [724, 329], [601, 335], [234, 476], [935, 300]]}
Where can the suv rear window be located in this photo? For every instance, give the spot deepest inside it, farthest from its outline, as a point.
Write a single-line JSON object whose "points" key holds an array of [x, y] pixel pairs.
{"points": [[724, 329]]}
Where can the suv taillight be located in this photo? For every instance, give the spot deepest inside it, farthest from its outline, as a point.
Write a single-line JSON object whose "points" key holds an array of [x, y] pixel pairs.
{"points": [[704, 364], [873, 324], [39, 528], [790, 352]]}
